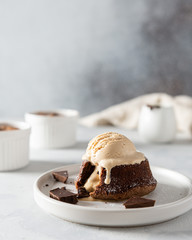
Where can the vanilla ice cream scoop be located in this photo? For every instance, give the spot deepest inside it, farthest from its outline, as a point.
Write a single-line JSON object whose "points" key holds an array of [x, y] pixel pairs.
{"points": [[109, 150]]}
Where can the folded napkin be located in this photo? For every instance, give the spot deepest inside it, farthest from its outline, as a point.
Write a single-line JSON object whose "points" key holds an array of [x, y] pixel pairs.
{"points": [[126, 114]]}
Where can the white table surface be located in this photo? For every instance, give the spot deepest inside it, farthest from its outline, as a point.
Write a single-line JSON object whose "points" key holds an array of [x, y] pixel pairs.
{"points": [[21, 218]]}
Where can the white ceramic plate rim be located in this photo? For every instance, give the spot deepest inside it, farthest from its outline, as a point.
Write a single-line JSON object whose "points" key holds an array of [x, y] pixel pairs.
{"points": [[183, 200]]}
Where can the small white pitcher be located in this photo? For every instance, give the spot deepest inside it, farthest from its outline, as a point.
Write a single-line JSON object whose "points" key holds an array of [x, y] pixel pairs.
{"points": [[157, 123]]}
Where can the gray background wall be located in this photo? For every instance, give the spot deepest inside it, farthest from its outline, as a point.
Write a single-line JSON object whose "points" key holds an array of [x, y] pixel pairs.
{"points": [[90, 54]]}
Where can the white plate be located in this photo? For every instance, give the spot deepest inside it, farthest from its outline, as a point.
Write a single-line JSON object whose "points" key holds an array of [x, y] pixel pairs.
{"points": [[173, 196]]}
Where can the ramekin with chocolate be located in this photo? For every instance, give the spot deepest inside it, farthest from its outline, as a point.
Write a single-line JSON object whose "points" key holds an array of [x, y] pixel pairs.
{"points": [[14, 145], [53, 128]]}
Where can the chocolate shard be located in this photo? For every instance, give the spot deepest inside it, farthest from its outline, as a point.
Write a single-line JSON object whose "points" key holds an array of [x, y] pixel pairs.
{"points": [[82, 193], [61, 176], [138, 202], [61, 194]]}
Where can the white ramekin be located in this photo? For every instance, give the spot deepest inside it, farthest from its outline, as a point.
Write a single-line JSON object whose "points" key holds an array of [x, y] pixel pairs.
{"points": [[53, 132], [14, 146], [157, 124]]}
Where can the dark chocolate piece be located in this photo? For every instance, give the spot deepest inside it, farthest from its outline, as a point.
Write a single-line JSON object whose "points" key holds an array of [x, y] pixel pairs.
{"points": [[82, 192], [61, 194], [138, 202], [61, 176]]}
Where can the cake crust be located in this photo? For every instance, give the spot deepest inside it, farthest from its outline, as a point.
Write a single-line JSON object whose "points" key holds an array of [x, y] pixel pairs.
{"points": [[126, 181], [85, 171]]}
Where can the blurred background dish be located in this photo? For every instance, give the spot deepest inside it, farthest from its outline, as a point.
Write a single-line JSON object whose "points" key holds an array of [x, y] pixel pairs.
{"points": [[157, 123], [127, 114], [53, 129], [14, 145]]}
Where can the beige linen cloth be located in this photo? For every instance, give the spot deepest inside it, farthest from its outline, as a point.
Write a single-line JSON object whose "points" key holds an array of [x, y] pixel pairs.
{"points": [[126, 114]]}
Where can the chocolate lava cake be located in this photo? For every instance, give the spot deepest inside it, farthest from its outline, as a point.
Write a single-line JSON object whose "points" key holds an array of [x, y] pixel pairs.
{"points": [[113, 169]]}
